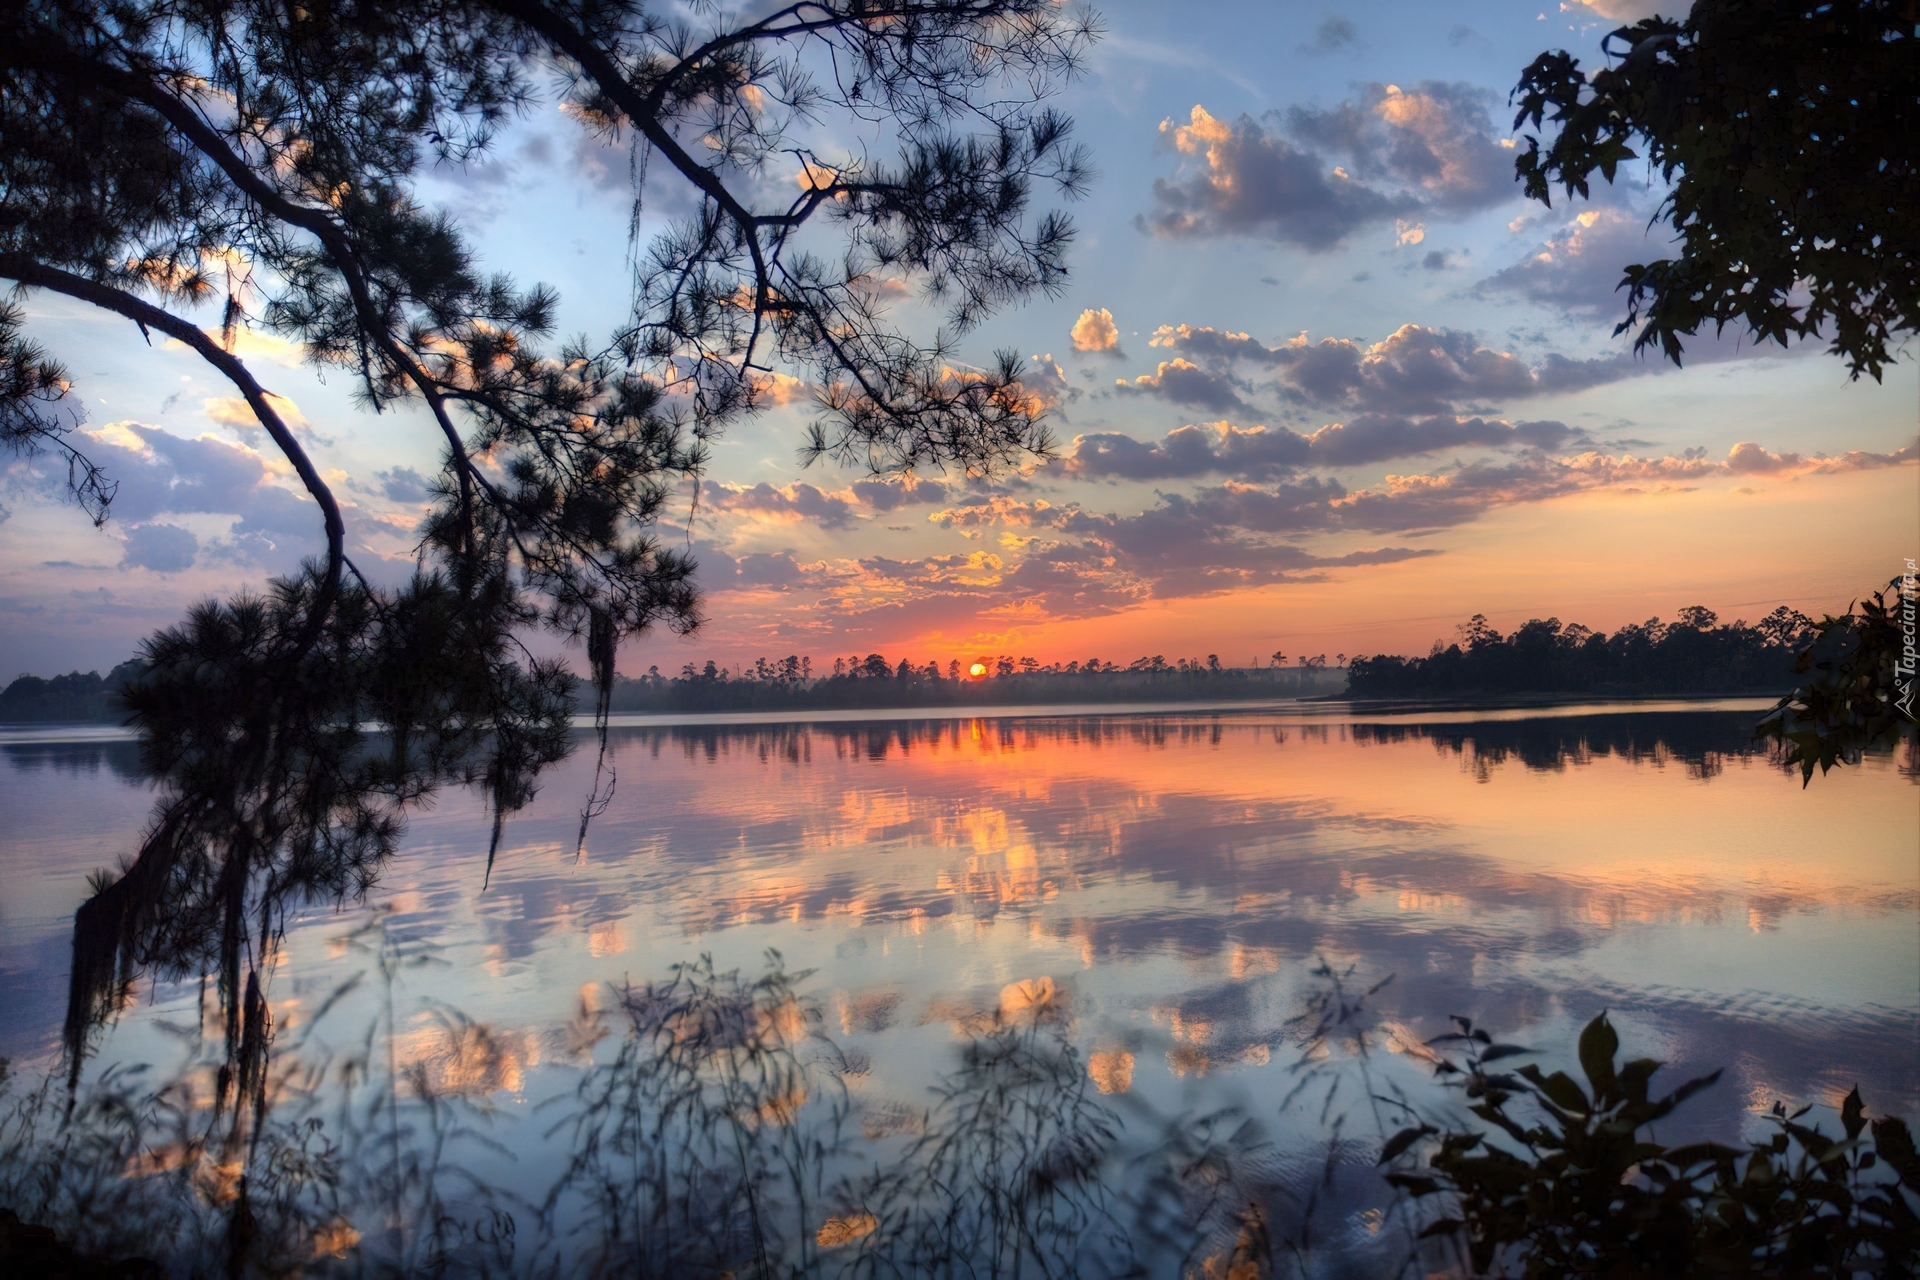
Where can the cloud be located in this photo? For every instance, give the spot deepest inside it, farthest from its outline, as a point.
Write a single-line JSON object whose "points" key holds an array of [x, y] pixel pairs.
{"points": [[800, 502], [1624, 10], [1404, 503], [163, 548], [1062, 560], [1860, 460], [403, 484], [902, 491], [1415, 369], [1095, 331], [1045, 382], [1749, 459], [234, 411], [162, 474], [1293, 507], [1437, 140], [1334, 34], [1182, 548], [1432, 150], [1179, 547], [1578, 269], [1263, 452], [1187, 451], [1210, 343], [1400, 502], [1180, 381], [778, 388], [790, 502], [776, 569], [884, 286], [1258, 183], [999, 510], [1379, 437], [251, 342]]}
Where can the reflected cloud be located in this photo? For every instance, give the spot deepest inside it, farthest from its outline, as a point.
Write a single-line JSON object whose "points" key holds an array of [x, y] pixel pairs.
{"points": [[1170, 877]]}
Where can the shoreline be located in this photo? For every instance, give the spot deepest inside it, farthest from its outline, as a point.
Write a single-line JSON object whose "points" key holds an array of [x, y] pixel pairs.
{"points": [[1323, 710]]}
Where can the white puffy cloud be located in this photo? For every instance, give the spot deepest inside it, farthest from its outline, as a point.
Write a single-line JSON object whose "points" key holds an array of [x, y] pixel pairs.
{"points": [[1095, 331]]}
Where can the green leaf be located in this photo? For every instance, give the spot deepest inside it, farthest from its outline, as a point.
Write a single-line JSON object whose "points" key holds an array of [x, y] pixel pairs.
{"points": [[1598, 1043], [1853, 1113], [1634, 1077], [1564, 1093], [1895, 1146]]}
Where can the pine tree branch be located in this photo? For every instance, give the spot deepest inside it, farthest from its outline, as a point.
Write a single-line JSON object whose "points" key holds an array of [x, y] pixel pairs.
{"points": [[38, 275]]}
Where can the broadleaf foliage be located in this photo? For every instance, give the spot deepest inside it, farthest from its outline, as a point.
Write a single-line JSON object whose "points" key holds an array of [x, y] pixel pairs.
{"points": [[1785, 131]]}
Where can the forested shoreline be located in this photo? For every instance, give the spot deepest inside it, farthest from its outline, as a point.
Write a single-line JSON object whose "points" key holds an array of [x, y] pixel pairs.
{"points": [[875, 682], [76, 696], [790, 684], [1695, 654]]}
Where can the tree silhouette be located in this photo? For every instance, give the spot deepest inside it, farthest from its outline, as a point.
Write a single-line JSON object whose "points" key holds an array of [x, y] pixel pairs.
{"points": [[178, 153], [165, 156], [1786, 132]]}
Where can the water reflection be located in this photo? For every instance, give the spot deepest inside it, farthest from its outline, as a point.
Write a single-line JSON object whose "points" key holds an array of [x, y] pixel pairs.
{"points": [[1701, 741], [1166, 881], [121, 758]]}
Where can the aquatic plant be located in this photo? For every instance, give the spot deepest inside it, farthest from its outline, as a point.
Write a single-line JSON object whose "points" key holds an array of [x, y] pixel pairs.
{"points": [[702, 1146], [712, 1130], [1572, 1180]]}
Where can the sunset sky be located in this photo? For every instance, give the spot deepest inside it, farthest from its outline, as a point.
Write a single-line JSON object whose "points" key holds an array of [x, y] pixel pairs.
{"points": [[1324, 383]]}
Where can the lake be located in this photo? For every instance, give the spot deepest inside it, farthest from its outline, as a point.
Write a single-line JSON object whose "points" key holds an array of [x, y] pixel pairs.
{"points": [[1176, 891]]}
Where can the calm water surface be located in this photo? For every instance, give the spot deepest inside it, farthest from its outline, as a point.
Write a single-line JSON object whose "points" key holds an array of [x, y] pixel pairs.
{"points": [[1172, 876]]}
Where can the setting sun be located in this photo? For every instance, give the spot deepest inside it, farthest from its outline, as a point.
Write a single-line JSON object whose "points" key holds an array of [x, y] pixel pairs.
{"points": [[977, 670]]}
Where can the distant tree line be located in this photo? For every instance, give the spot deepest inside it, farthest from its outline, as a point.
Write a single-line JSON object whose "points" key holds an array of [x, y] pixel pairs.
{"points": [[1694, 654], [854, 682], [74, 696], [878, 681]]}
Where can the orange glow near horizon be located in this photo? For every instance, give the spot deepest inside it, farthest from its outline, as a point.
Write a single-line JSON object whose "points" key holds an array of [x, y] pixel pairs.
{"points": [[1602, 559]]}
